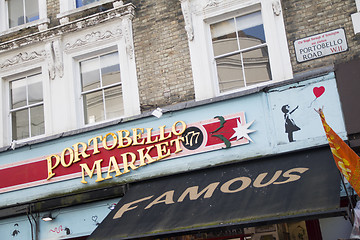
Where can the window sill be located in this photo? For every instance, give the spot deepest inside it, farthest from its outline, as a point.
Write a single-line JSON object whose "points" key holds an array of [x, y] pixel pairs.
{"points": [[25, 141], [41, 24], [250, 88], [75, 11], [267, 86]]}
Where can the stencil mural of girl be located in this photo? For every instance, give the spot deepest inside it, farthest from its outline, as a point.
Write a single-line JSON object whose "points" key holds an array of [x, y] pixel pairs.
{"points": [[290, 125]]}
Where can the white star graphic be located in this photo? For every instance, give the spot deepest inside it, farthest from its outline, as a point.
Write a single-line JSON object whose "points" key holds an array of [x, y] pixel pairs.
{"points": [[241, 131]]}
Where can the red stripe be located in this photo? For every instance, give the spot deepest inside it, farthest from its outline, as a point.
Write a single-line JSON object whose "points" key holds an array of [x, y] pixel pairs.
{"points": [[12, 175]]}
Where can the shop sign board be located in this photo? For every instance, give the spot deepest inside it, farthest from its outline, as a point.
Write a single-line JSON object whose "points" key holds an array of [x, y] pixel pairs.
{"points": [[320, 45], [191, 139], [227, 195], [115, 154]]}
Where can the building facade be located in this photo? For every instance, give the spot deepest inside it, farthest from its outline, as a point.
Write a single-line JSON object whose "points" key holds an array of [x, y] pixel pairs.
{"points": [[190, 119]]}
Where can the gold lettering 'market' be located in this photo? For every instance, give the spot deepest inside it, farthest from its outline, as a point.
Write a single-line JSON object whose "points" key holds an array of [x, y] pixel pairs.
{"points": [[120, 139]]}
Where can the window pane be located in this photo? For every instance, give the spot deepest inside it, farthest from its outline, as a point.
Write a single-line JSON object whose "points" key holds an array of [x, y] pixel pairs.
{"points": [[224, 37], [256, 33], [20, 124], [37, 120], [24, 92], [18, 93], [251, 26], [90, 75], [94, 107], [16, 12], [231, 38], [32, 10], [114, 102], [246, 42], [35, 90], [110, 69], [80, 3], [102, 96], [250, 32], [230, 75], [257, 66]]}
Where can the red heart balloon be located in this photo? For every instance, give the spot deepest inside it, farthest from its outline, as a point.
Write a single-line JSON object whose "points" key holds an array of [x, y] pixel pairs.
{"points": [[318, 91]]}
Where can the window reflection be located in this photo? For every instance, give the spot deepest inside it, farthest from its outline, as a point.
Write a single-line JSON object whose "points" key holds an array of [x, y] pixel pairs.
{"points": [[101, 88], [22, 11], [90, 74], [240, 52], [94, 108], [80, 3], [27, 110], [20, 124]]}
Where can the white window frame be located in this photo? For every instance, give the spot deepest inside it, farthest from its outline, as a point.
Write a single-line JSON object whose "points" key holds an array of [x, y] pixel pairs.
{"points": [[129, 85], [101, 88], [204, 13], [128, 75], [68, 7], [5, 117], [27, 107], [4, 18]]}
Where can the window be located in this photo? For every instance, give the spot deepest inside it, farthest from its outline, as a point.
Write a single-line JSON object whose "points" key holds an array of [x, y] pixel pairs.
{"points": [[21, 11], [18, 14], [27, 107], [102, 72], [80, 3], [240, 52], [69, 7], [101, 88], [235, 45]]}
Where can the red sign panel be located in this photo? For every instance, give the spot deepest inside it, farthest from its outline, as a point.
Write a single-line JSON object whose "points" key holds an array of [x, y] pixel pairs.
{"points": [[220, 132]]}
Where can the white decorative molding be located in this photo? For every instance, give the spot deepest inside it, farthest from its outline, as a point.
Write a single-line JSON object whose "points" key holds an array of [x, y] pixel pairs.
{"points": [[210, 8], [118, 4], [54, 59], [185, 7], [43, 27], [212, 3], [23, 57], [95, 36], [58, 58], [276, 7], [128, 36], [64, 20], [50, 60], [127, 10]]}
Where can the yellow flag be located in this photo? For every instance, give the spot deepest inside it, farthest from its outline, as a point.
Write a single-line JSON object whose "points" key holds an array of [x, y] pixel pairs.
{"points": [[347, 161]]}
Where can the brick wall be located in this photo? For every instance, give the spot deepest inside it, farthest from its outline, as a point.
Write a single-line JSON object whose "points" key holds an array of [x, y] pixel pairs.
{"points": [[308, 17], [53, 8], [162, 53], [161, 48]]}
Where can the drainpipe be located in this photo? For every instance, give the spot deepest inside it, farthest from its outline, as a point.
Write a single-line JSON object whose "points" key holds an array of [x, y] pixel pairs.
{"points": [[355, 17], [31, 226], [34, 227]]}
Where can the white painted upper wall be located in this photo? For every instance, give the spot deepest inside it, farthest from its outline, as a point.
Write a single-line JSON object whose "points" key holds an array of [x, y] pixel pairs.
{"points": [[58, 61]]}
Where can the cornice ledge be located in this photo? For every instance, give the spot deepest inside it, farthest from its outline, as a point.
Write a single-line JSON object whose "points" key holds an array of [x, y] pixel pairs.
{"points": [[117, 12]]}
